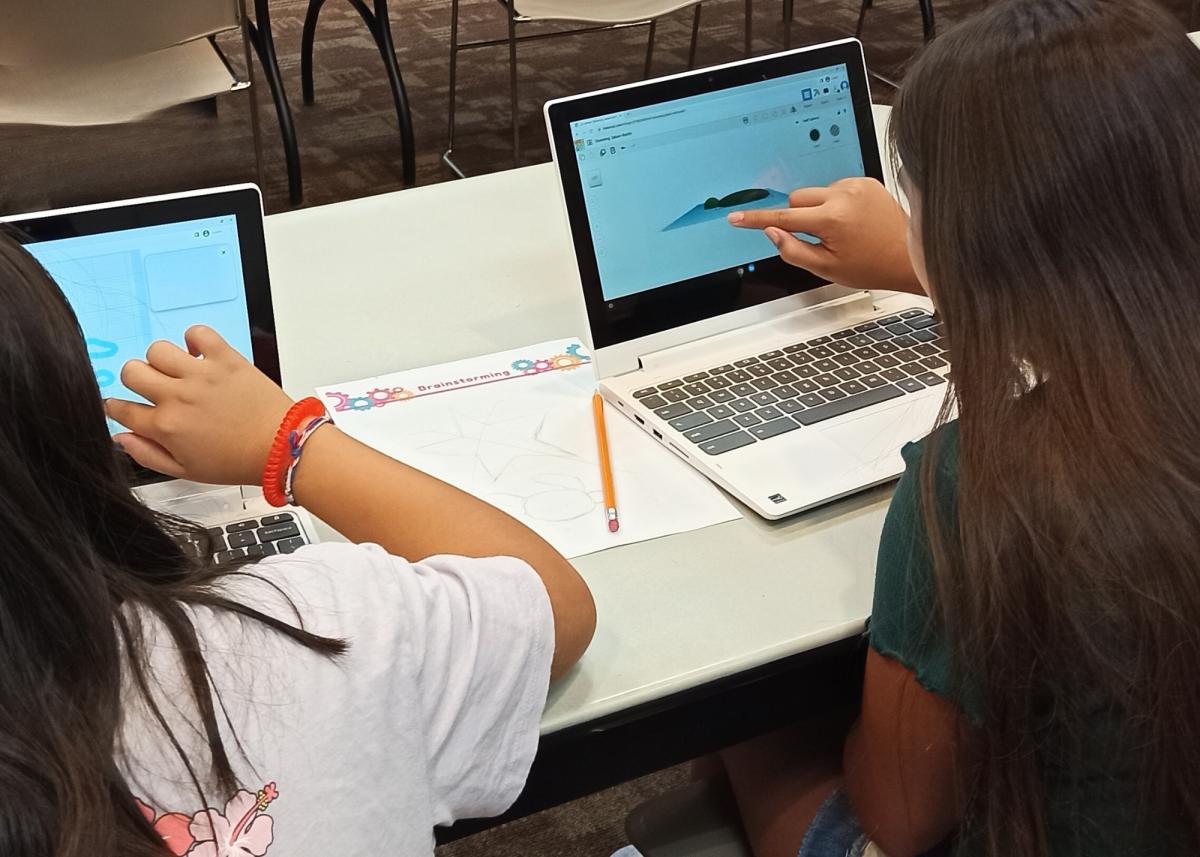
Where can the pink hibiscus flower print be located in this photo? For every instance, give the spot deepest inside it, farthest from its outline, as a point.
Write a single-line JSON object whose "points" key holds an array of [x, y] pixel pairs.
{"points": [[172, 827], [242, 831]]}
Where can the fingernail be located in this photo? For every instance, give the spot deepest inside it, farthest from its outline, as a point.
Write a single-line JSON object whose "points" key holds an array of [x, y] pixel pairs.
{"points": [[774, 235], [735, 217]]}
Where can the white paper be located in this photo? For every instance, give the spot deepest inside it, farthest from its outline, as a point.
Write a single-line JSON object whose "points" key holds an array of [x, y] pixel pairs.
{"points": [[516, 430]]}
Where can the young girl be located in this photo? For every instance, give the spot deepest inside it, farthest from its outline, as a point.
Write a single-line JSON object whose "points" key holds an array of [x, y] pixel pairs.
{"points": [[341, 700], [1031, 682]]}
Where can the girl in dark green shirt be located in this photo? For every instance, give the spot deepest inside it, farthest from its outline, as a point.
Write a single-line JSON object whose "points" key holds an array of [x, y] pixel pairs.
{"points": [[1031, 686]]}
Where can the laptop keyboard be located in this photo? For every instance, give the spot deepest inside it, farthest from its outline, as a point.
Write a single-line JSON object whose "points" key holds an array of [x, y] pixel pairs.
{"points": [[757, 398], [254, 538]]}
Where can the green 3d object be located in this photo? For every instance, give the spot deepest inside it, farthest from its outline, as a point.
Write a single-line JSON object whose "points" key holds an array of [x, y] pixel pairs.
{"points": [[740, 197]]}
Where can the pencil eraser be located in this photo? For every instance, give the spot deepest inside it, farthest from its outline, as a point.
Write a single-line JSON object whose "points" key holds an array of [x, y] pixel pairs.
{"points": [[613, 526]]}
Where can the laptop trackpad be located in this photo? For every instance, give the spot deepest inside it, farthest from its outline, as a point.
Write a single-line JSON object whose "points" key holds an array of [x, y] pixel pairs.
{"points": [[875, 438]]}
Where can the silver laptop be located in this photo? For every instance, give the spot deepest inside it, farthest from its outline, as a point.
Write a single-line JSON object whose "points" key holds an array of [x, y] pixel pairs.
{"points": [[785, 390], [146, 269]]}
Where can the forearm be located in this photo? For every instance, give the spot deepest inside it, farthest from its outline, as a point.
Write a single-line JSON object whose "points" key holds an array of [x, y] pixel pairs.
{"points": [[369, 497]]}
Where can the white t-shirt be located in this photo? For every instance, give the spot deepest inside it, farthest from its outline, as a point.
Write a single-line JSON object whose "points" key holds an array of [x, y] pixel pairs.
{"points": [[432, 714]]}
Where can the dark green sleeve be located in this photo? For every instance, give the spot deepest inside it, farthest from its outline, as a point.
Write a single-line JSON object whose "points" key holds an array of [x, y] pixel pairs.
{"points": [[904, 620]]}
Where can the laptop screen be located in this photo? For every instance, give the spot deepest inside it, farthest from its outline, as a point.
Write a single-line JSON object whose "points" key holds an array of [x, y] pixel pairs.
{"points": [[659, 181], [651, 171], [134, 286]]}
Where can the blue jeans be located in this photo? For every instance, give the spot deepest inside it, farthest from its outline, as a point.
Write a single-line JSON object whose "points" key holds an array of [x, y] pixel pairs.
{"points": [[835, 832]]}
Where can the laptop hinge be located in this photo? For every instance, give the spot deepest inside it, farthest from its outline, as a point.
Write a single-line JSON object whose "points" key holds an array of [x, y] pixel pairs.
{"points": [[793, 326]]}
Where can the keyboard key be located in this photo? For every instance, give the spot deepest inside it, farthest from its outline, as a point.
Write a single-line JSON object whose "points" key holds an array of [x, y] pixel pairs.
{"points": [[790, 406], [241, 525], [721, 396], [898, 329], [891, 319], [865, 353], [905, 356], [742, 390], [216, 543], [820, 340], [852, 387], [763, 399], [847, 373], [801, 358], [738, 376], [896, 374], [728, 443], [825, 365], [923, 335], [914, 369], [720, 382], [872, 381], [930, 379], [879, 334], [845, 359], [721, 370], [774, 428], [246, 538], [867, 367], [887, 361], [708, 432], [843, 334], [812, 400], [256, 551], [670, 385], [904, 341], [825, 380], [933, 363], [644, 392], [785, 391], [721, 412], [289, 545], [280, 518], [858, 340], [886, 347], [780, 363], [696, 376], [832, 394], [785, 377], [820, 352], [700, 403], [268, 549], [277, 532], [742, 405], [770, 412], [670, 412], [770, 355], [759, 370], [764, 383], [850, 403], [913, 313], [920, 323], [792, 349], [806, 386], [910, 385], [696, 389], [747, 420], [841, 347], [225, 557], [675, 395], [809, 371], [925, 349], [749, 361], [863, 328], [690, 421], [653, 402]]}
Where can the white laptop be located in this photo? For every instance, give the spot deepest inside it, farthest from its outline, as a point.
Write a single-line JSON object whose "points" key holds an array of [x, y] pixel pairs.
{"points": [[785, 390], [147, 269]]}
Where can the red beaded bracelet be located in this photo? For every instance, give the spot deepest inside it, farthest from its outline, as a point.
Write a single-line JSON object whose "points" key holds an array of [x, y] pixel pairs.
{"points": [[280, 455]]}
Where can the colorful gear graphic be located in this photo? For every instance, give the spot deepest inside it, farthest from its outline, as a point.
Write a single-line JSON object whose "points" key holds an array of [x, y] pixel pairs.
{"points": [[566, 361], [361, 403], [380, 396], [522, 365], [400, 394], [573, 349], [543, 365]]}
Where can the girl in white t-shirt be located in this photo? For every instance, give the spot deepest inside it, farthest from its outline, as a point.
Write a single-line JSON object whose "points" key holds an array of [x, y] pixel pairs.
{"points": [[337, 701]]}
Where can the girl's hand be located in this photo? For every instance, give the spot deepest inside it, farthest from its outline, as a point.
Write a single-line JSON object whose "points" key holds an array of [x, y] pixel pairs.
{"points": [[863, 232], [212, 415]]}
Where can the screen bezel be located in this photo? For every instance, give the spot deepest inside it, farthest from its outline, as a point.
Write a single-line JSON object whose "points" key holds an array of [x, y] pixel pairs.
{"points": [[244, 202], [660, 309]]}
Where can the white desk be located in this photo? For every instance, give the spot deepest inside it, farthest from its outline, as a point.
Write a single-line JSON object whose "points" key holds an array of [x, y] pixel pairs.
{"points": [[443, 272]]}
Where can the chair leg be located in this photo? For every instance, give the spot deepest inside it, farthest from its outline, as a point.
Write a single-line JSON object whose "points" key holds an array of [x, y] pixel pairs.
{"points": [[749, 27], [927, 23], [650, 49], [696, 36], [264, 45], [512, 81], [380, 25], [307, 38], [447, 156]]}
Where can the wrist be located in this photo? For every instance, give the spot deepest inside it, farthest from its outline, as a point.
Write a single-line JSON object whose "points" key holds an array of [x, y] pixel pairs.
{"points": [[301, 418]]}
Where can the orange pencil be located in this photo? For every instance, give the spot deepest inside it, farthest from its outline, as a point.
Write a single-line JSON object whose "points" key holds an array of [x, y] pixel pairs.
{"points": [[610, 495]]}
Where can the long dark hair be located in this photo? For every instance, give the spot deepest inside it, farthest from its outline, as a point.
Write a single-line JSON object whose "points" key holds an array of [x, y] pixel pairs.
{"points": [[1054, 146], [82, 560]]}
